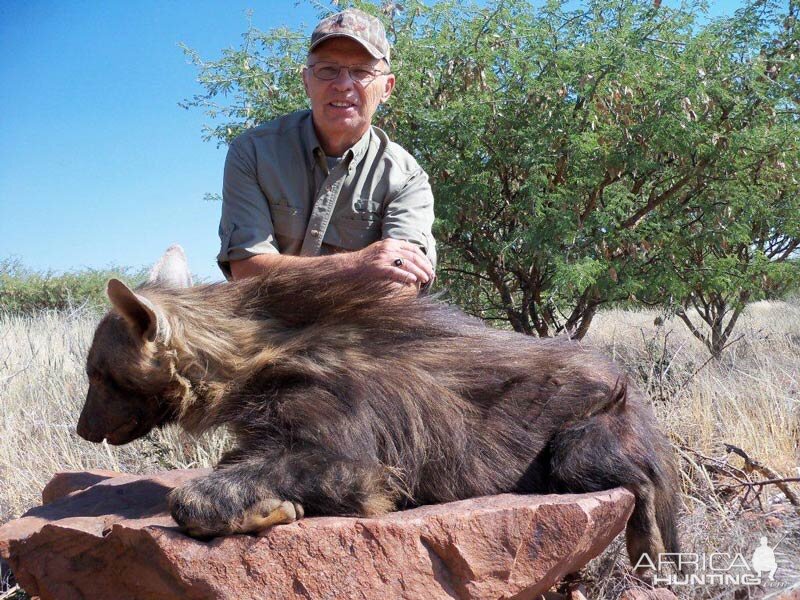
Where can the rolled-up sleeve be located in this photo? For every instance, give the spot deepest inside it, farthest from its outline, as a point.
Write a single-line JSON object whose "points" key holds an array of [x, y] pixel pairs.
{"points": [[408, 215], [245, 228]]}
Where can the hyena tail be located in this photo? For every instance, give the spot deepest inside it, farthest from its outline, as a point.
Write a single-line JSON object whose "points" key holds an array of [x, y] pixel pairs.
{"points": [[618, 447]]}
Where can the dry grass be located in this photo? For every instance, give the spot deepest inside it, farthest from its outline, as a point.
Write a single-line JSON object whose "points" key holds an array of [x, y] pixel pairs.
{"points": [[751, 398]]}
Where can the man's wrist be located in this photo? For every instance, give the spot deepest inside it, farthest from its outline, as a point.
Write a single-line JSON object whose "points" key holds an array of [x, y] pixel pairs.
{"points": [[347, 261]]}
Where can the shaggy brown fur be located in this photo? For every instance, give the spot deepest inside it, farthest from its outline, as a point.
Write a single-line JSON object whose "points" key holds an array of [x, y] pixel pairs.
{"points": [[355, 399]]}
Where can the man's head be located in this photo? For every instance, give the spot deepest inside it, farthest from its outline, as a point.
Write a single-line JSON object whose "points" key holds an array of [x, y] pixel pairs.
{"points": [[347, 76]]}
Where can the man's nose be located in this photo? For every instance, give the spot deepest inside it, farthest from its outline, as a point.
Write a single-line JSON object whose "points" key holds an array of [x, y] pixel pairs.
{"points": [[343, 79]]}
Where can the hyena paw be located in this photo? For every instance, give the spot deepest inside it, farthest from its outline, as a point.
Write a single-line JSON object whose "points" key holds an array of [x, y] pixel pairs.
{"points": [[204, 510]]}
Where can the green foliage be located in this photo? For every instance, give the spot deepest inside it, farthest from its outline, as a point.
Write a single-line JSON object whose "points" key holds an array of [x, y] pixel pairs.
{"points": [[616, 151], [25, 291], [260, 80]]}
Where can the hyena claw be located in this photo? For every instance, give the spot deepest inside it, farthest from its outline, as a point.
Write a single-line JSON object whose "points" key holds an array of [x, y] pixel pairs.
{"points": [[266, 514]]}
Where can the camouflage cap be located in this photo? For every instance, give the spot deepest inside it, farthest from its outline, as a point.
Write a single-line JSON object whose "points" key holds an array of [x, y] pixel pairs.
{"points": [[356, 25]]}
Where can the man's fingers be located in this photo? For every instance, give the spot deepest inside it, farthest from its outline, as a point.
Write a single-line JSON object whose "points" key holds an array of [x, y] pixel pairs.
{"points": [[402, 275], [421, 262], [422, 259], [400, 261], [393, 246], [414, 262], [411, 264]]}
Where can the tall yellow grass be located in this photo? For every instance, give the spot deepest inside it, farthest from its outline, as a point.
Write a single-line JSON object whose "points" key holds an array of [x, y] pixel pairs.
{"points": [[749, 398]]}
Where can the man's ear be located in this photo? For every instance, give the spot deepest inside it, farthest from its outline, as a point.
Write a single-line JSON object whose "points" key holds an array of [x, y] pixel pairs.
{"points": [[172, 269], [306, 75], [140, 313], [388, 86]]}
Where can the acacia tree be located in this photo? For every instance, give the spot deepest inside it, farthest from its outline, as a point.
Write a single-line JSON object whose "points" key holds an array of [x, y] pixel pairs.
{"points": [[735, 244], [565, 146], [734, 240]]}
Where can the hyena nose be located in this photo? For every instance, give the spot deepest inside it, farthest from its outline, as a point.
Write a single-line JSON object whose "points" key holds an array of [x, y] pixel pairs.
{"points": [[85, 431]]}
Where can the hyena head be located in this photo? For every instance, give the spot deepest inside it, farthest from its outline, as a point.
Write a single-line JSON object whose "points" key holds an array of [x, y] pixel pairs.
{"points": [[131, 384]]}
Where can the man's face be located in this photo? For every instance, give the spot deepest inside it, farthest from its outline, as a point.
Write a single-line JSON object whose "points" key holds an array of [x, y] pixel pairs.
{"points": [[342, 107]]}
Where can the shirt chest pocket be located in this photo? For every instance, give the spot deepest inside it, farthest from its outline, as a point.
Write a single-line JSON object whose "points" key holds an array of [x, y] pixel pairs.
{"points": [[288, 221], [364, 213], [360, 224]]}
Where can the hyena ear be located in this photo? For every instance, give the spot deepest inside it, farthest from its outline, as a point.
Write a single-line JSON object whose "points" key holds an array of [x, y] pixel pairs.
{"points": [[140, 313], [172, 269]]}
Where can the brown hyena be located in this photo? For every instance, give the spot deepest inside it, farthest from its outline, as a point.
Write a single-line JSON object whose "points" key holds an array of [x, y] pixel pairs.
{"points": [[351, 398]]}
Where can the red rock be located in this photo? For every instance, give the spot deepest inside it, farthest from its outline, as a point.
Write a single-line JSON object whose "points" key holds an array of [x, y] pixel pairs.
{"points": [[115, 539], [66, 482]]}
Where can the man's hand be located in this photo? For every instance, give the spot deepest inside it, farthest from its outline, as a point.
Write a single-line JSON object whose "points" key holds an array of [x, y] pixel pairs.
{"points": [[395, 260]]}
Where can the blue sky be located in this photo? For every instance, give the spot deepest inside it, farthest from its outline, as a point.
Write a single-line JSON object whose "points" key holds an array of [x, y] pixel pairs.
{"points": [[98, 164]]}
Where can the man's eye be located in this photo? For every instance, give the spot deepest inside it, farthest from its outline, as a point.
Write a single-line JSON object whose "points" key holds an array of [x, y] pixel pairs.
{"points": [[361, 74], [327, 72]]}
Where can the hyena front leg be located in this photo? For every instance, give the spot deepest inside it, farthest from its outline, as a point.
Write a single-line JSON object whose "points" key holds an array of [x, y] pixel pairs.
{"points": [[229, 500], [248, 494]]}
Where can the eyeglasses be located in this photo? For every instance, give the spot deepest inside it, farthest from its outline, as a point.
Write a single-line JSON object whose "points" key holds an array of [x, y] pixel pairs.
{"points": [[361, 74]]}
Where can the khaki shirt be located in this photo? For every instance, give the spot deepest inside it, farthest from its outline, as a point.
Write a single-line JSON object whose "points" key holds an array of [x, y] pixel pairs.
{"points": [[279, 197]]}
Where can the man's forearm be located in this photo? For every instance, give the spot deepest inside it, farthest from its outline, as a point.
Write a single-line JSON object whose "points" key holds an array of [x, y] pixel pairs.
{"points": [[396, 260], [262, 264]]}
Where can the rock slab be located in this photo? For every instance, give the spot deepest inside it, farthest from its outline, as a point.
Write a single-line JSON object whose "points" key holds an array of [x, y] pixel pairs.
{"points": [[107, 535]]}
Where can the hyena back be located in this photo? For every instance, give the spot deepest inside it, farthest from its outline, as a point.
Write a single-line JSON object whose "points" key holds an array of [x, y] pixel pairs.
{"points": [[351, 398]]}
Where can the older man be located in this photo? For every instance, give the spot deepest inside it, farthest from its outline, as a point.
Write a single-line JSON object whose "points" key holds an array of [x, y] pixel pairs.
{"points": [[325, 185]]}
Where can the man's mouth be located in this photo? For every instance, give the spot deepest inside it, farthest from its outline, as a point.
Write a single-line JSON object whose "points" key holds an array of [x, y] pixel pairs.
{"points": [[342, 104]]}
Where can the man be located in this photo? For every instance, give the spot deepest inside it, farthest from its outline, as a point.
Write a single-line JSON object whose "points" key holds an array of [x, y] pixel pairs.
{"points": [[324, 186]]}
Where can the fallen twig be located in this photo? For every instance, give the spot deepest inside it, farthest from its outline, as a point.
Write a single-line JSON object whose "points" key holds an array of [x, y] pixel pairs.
{"points": [[773, 477], [750, 489]]}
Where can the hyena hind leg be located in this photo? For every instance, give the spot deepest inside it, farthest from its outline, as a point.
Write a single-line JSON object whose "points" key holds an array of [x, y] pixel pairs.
{"points": [[592, 456]]}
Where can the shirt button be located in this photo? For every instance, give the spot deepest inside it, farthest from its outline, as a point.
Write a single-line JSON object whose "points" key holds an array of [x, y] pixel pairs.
{"points": [[314, 233]]}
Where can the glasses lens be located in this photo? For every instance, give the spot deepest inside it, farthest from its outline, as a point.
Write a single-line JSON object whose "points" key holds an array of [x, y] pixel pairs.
{"points": [[325, 72], [361, 74]]}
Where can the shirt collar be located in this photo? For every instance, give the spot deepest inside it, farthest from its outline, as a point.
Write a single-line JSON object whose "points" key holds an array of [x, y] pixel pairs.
{"points": [[315, 155]]}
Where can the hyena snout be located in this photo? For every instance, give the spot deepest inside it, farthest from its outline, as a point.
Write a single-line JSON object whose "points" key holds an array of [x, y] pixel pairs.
{"points": [[87, 431], [101, 419], [121, 418]]}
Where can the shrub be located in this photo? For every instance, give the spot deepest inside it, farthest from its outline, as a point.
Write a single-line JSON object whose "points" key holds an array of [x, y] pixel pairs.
{"points": [[26, 291]]}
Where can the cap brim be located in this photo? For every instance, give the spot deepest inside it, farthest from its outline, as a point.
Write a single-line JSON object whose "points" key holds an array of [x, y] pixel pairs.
{"points": [[374, 52]]}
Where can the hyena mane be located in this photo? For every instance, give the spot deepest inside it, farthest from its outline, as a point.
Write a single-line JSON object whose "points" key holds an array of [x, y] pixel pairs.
{"points": [[354, 398]]}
